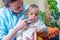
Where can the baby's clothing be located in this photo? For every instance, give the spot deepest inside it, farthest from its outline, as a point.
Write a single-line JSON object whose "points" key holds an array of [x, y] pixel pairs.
{"points": [[28, 34], [38, 24], [29, 31]]}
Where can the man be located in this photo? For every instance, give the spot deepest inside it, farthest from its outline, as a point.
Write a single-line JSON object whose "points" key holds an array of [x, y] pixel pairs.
{"points": [[11, 19]]}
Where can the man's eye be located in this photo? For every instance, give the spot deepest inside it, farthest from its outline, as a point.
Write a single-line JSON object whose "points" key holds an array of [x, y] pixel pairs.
{"points": [[21, 3]]}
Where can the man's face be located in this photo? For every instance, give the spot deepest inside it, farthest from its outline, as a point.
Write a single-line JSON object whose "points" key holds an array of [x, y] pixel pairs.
{"points": [[33, 14], [17, 6]]}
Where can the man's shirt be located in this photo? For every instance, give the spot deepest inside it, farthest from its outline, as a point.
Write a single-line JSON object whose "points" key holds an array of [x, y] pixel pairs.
{"points": [[8, 20]]}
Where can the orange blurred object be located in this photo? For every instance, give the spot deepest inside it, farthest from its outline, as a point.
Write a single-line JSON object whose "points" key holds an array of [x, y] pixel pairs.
{"points": [[52, 33]]}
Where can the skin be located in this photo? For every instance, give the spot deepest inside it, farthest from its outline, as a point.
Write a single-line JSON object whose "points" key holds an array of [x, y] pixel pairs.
{"points": [[33, 14], [16, 6]]}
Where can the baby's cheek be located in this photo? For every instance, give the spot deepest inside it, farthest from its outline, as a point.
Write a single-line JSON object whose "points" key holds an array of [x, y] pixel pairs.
{"points": [[37, 17], [30, 17]]}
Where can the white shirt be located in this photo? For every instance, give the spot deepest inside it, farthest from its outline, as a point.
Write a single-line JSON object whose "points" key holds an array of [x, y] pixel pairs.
{"points": [[28, 32]]}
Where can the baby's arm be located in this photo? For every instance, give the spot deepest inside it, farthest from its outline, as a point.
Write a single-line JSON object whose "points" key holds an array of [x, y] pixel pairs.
{"points": [[42, 29], [42, 34]]}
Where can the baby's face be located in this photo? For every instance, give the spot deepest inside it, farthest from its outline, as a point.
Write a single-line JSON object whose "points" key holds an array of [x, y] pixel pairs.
{"points": [[33, 14]]}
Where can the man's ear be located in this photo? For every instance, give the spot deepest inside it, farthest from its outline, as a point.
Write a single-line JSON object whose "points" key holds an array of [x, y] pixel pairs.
{"points": [[10, 3]]}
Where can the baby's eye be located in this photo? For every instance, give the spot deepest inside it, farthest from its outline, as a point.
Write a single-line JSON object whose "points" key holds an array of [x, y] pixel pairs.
{"points": [[31, 14], [36, 14]]}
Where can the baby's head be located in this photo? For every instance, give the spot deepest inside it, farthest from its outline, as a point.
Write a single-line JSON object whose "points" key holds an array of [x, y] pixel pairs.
{"points": [[33, 12]]}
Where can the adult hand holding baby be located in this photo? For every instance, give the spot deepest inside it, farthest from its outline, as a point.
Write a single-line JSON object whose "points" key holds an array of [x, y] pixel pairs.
{"points": [[22, 24]]}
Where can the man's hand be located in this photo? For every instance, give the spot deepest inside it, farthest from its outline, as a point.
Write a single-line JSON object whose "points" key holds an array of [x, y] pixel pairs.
{"points": [[22, 24]]}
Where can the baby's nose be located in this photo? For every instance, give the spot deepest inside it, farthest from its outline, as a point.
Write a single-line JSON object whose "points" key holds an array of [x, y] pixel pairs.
{"points": [[33, 16]]}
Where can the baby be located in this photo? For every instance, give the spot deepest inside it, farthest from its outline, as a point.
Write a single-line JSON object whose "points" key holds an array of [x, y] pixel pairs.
{"points": [[35, 25]]}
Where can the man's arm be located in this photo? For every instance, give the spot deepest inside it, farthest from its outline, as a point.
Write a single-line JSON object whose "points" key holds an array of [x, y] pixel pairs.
{"points": [[4, 35], [10, 36]]}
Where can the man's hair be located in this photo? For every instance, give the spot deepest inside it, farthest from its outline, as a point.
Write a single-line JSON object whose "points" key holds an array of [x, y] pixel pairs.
{"points": [[6, 2], [32, 6]]}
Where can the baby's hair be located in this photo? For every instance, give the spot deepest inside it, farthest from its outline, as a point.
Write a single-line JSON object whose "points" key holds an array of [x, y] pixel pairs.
{"points": [[32, 6]]}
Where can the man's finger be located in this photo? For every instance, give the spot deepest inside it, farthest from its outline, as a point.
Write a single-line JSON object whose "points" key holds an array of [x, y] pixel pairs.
{"points": [[22, 17], [28, 21]]}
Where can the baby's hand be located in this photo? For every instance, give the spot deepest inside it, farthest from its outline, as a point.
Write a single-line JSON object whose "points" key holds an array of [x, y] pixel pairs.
{"points": [[37, 29]]}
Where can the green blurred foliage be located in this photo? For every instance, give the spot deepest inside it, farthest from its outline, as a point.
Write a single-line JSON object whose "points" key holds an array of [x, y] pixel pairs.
{"points": [[52, 5], [55, 14], [43, 15]]}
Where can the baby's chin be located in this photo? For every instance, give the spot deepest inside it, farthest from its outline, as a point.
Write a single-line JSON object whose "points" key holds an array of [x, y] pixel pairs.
{"points": [[33, 20]]}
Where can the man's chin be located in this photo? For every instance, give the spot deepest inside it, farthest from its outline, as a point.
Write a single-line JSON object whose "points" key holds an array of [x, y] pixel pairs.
{"points": [[20, 11]]}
